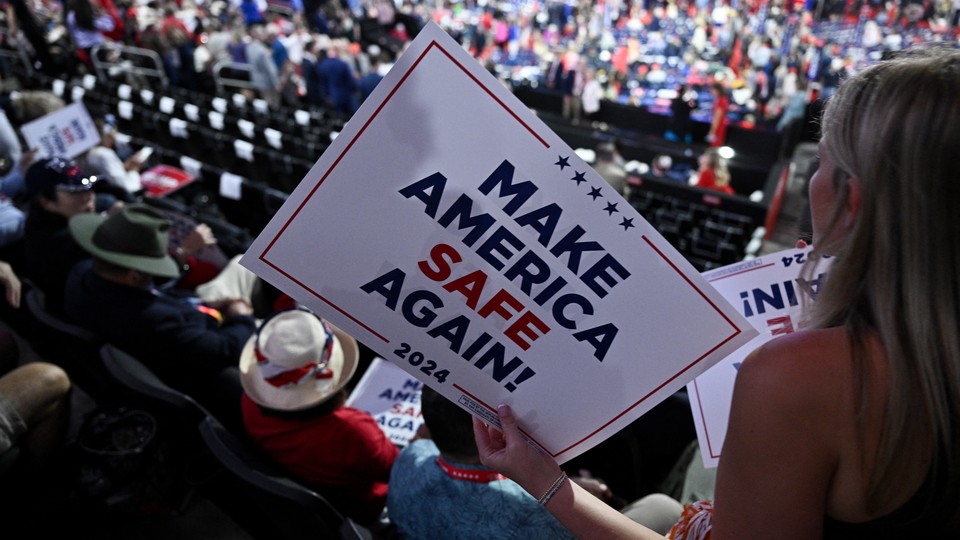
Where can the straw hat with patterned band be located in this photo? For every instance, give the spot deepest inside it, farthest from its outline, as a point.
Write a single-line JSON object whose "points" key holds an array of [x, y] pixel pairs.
{"points": [[296, 361]]}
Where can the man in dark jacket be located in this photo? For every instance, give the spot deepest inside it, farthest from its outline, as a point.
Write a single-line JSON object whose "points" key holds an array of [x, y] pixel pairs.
{"points": [[191, 346], [341, 84], [59, 190]]}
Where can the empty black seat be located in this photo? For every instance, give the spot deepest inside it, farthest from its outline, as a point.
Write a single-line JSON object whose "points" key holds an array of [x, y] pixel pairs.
{"points": [[275, 504]]}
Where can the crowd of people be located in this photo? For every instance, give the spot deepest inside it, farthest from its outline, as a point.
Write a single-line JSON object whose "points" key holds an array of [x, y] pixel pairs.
{"points": [[846, 428], [768, 57]]}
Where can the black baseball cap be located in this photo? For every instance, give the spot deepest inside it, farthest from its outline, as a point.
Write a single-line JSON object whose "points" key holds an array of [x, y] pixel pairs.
{"points": [[57, 174]]}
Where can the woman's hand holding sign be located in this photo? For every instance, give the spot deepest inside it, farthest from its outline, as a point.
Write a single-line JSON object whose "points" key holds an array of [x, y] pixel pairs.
{"points": [[585, 515], [509, 453]]}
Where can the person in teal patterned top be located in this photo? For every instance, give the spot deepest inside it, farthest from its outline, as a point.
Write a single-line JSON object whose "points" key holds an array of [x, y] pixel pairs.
{"points": [[439, 489]]}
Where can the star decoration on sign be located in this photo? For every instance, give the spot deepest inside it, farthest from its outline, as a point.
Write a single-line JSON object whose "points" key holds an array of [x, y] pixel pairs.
{"points": [[611, 208], [579, 178], [563, 162], [595, 193], [627, 223]]}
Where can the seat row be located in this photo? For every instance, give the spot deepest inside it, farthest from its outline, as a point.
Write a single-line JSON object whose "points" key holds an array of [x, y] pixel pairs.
{"points": [[238, 146], [184, 103], [241, 206], [255, 483], [709, 237]]}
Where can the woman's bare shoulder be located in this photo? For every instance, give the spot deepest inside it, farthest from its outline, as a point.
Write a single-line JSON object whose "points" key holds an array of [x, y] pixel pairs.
{"points": [[806, 350], [781, 448], [799, 368]]}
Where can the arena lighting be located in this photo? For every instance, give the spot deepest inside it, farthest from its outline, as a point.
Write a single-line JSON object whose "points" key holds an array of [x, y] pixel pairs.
{"points": [[586, 154], [726, 152], [636, 167]]}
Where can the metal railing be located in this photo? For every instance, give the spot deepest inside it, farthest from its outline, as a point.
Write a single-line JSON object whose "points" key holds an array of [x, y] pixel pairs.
{"points": [[16, 50], [113, 61], [225, 75]]}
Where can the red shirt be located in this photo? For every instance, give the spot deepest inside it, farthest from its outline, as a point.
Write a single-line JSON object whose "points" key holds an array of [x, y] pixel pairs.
{"points": [[720, 135], [173, 22], [345, 450], [708, 180]]}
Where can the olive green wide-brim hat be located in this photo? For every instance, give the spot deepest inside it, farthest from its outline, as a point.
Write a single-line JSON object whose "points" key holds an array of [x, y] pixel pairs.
{"points": [[136, 237]]}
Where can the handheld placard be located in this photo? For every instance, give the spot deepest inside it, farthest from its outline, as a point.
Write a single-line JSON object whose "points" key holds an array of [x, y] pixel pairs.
{"points": [[451, 231]]}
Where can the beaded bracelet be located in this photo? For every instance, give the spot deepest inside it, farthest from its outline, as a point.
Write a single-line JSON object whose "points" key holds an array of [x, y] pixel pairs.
{"points": [[554, 488]]}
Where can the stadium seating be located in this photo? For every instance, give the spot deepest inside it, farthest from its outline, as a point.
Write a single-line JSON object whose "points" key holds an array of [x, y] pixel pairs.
{"points": [[292, 510], [272, 150]]}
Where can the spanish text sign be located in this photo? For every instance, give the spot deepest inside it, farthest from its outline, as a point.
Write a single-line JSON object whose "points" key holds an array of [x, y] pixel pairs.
{"points": [[66, 132], [448, 229], [770, 292]]}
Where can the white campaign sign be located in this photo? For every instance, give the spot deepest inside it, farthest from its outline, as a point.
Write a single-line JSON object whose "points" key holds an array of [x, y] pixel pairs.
{"points": [[66, 132], [451, 231], [392, 398], [770, 292]]}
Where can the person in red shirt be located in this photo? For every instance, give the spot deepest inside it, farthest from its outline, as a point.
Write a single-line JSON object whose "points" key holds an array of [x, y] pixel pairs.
{"points": [[718, 123], [293, 371], [713, 173]]}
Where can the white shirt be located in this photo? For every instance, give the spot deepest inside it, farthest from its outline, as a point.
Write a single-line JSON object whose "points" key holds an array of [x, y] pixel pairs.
{"points": [[103, 161], [592, 92], [9, 143], [84, 38]]}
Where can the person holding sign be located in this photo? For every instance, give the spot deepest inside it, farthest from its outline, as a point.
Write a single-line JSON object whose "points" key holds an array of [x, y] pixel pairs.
{"points": [[466, 500], [847, 428], [293, 371]]}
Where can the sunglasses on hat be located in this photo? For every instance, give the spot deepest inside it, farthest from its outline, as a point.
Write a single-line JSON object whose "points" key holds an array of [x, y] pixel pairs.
{"points": [[71, 171]]}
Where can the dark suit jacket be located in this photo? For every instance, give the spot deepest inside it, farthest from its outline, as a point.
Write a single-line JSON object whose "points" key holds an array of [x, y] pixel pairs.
{"points": [[184, 346], [49, 254], [341, 86]]}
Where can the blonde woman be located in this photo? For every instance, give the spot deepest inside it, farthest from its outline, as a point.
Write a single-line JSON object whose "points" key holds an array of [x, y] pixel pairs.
{"points": [[849, 428], [713, 173]]}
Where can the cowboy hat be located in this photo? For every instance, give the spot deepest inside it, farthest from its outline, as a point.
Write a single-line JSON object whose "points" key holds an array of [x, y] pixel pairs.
{"points": [[136, 237], [296, 361]]}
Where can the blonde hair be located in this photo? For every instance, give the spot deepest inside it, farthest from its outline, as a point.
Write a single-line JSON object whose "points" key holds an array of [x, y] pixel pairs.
{"points": [[718, 165], [894, 127]]}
